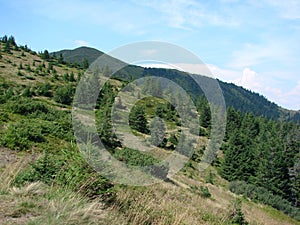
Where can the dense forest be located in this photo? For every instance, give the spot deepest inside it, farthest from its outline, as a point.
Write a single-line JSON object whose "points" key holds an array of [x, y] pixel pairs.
{"points": [[259, 156]]}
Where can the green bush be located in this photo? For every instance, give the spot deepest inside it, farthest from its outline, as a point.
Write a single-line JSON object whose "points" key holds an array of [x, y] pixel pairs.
{"points": [[61, 122], [22, 135], [134, 157], [69, 170], [262, 195], [3, 116], [64, 94], [44, 90], [3, 99], [200, 190], [237, 216], [147, 162], [26, 106]]}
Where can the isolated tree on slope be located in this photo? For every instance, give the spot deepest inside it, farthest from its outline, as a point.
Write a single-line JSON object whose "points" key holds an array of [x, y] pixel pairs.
{"points": [[158, 131]]}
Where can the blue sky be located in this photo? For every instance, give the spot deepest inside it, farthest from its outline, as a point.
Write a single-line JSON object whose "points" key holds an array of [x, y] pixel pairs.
{"points": [[251, 43]]}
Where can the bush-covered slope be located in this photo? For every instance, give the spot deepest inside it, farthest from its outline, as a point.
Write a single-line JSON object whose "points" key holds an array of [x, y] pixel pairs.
{"points": [[58, 186]]}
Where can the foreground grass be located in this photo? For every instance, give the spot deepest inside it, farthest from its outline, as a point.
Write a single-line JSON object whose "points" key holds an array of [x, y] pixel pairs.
{"points": [[38, 203], [172, 202]]}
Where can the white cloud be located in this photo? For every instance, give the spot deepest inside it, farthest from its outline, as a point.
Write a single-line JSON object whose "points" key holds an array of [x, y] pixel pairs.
{"points": [[289, 99], [271, 88], [186, 67], [249, 80], [81, 43], [273, 51]]}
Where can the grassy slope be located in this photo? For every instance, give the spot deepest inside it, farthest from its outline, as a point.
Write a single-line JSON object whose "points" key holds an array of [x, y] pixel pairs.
{"points": [[172, 202]]}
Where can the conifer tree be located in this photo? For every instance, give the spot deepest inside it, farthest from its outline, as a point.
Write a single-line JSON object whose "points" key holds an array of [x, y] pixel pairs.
{"points": [[137, 119], [158, 132]]}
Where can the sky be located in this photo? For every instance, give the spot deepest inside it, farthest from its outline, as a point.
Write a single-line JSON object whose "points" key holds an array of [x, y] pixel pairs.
{"points": [[254, 44]]}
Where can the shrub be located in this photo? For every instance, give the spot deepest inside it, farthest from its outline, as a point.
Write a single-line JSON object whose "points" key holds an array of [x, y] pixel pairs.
{"points": [[22, 135], [3, 116], [27, 92], [134, 157], [25, 106], [44, 90], [236, 215], [262, 195], [70, 170], [202, 191], [149, 163], [64, 94]]}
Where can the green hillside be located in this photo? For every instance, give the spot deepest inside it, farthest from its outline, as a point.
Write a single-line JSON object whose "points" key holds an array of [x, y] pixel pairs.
{"points": [[237, 97], [45, 178], [78, 55]]}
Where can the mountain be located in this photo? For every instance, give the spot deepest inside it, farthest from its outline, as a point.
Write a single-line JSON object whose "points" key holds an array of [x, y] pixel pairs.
{"points": [[79, 54], [47, 178], [237, 97]]}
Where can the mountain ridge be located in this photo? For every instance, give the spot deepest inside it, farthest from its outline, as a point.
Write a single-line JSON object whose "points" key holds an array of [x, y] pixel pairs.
{"points": [[235, 96]]}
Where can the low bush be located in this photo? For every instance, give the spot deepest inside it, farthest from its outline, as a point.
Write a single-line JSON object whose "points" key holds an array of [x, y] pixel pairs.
{"points": [[262, 195], [147, 162], [236, 215], [26, 106], [70, 170], [134, 157], [64, 94], [22, 135], [3, 116], [200, 190]]}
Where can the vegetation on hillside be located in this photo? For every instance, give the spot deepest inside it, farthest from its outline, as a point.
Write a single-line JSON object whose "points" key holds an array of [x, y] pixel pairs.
{"points": [[259, 158]]}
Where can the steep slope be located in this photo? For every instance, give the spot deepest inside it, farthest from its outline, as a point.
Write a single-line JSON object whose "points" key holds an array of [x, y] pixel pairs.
{"points": [[65, 190]]}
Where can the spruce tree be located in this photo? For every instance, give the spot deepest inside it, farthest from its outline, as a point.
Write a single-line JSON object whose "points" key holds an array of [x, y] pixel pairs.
{"points": [[61, 59], [158, 132], [137, 119]]}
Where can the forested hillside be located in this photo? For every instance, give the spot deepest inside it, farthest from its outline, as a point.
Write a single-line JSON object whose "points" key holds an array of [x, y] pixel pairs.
{"points": [[45, 178], [237, 97]]}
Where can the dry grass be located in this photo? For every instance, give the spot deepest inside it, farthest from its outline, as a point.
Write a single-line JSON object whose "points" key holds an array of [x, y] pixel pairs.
{"points": [[9, 66], [166, 203], [37, 203], [163, 203]]}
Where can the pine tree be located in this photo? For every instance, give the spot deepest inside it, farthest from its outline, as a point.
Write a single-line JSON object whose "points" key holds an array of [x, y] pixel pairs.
{"points": [[11, 41], [61, 59], [72, 77], [160, 110], [105, 130], [137, 119], [4, 39], [85, 64], [7, 47], [158, 132], [66, 77], [45, 55]]}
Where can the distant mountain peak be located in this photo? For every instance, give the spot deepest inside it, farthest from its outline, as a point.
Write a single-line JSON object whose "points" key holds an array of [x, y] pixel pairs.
{"points": [[79, 54]]}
